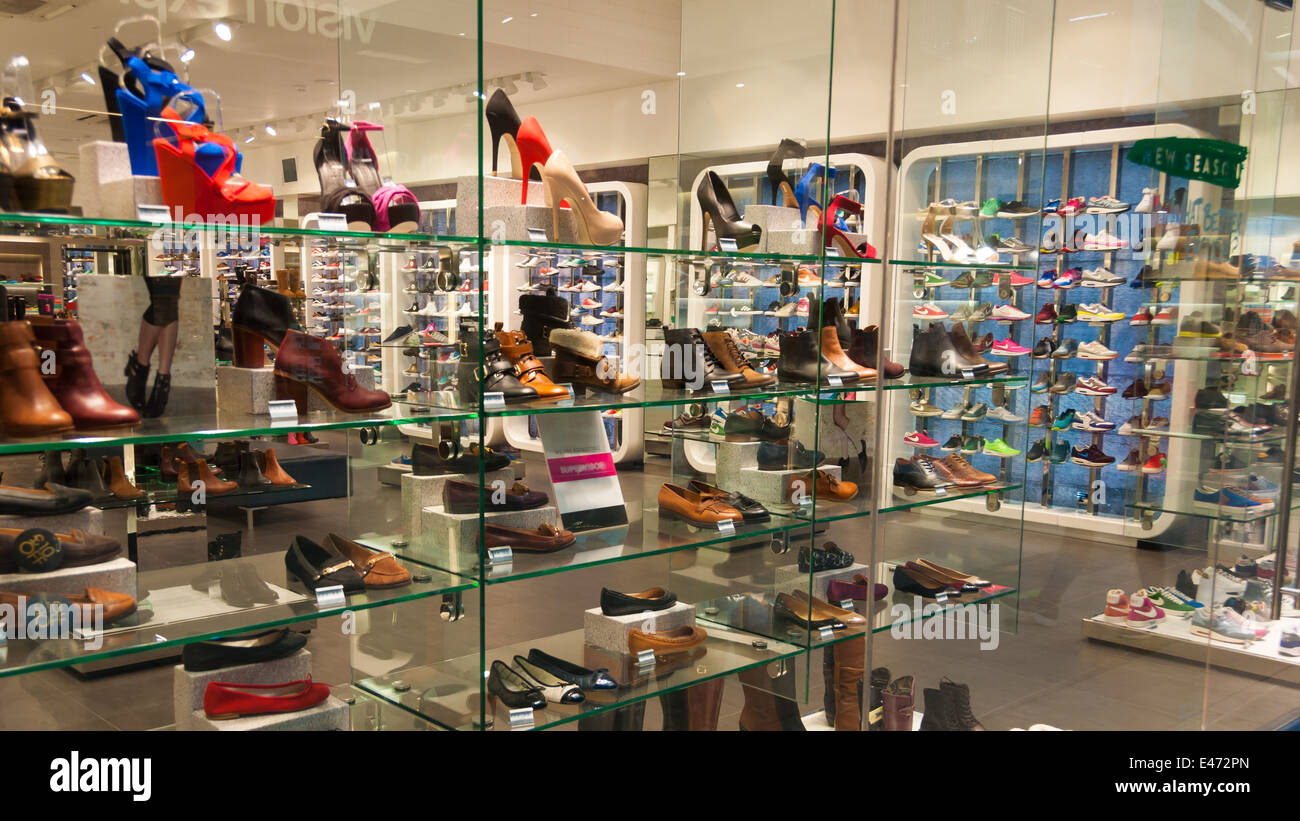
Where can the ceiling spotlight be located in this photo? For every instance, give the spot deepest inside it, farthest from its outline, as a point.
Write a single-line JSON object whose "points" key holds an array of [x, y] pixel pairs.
{"points": [[223, 30], [538, 79], [187, 54], [507, 20], [250, 138], [373, 106], [87, 79], [740, 85], [534, 14], [509, 87], [270, 130], [681, 74]]}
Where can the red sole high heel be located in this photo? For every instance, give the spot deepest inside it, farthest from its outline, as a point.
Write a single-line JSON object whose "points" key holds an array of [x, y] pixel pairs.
{"points": [[534, 150]]}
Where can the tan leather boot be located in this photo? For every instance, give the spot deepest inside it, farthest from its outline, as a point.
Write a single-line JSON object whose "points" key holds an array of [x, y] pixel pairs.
{"points": [[282, 286], [759, 712], [832, 350], [27, 408], [724, 347], [272, 470], [215, 486], [295, 283], [703, 705], [117, 481], [580, 360], [849, 660], [518, 351]]}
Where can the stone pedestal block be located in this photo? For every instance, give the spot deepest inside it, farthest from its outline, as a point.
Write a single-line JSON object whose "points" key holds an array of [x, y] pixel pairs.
{"points": [[330, 714], [89, 519], [496, 191], [116, 576], [789, 241], [610, 632], [248, 390], [773, 218], [420, 492], [513, 221], [459, 531]]}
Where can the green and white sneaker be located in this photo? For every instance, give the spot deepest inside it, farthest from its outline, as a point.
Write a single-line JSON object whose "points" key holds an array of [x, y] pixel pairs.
{"points": [[1000, 449], [973, 444], [933, 280], [990, 207], [717, 423], [1170, 600]]}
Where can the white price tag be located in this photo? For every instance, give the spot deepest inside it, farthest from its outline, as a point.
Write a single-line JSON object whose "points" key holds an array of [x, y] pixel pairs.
{"points": [[282, 409], [645, 658], [720, 386], [500, 555], [941, 491], [825, 633], [835, 381], [846, 604], [521, 718], [331, 596], [332, 222], [726, 527], [494, 399], [727, 244], [967, 373], [538, 235], [153, 213]]}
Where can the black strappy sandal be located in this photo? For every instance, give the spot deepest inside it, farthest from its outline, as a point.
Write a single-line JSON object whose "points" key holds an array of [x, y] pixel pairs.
{"points": [[337, 195]]}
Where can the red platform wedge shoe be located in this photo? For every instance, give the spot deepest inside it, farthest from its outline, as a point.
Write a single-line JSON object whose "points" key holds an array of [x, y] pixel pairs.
{"points": [[223, 193]]}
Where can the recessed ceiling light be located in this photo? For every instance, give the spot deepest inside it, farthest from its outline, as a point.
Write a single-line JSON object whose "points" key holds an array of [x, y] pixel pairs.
{"points": [[89, 80], [534, 14], [187, 55], [507, 20], [270, 129], [1089, 16], [223, 31], [373, 106], [249, 138], [740, 85], [681, 74]]}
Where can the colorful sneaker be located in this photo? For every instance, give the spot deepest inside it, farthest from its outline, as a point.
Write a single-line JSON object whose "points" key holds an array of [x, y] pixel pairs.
{"points": [[1047, 279], [929, 311], [1004, 415], [1070, 279], [1117, 607], [1142, 612], [1046, 314], [1101, 278], [1092, 386], [1090, 422], [1289, 645], [1156, 464], [990, 207], [1216, 625], [918, 439], [718, 422], [933, 280], [1142, 317], [1096, 312], [1166, 316], [1013, 279], [972, 445], [1171, 600], [1036, 451], [1064, 421], [1096, 351], [1103, 240], [1008, 347], [1040, 416], [1000, 449], [1074, 205], [953, 444], [1106, 205]]}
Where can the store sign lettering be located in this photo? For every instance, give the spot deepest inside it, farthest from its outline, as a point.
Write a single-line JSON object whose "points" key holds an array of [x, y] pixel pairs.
{"points": [[289, 15], [1213, 161]]}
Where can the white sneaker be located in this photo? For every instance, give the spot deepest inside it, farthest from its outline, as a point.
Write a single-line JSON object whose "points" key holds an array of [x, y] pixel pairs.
{"points": [[587, 286], [1009, 313], [745, 279], [1102, 241], [1090, 422], [1213, 587], [784, 311], [1002, 414], [1101, 278], [955, 412], [588, 319], [1169, 242], [1148, 203], [1106, 205], [1095, 350]]}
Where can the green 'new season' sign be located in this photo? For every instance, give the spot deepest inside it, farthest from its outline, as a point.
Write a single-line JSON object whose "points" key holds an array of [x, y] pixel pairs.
{"points": [[1213, 161]]}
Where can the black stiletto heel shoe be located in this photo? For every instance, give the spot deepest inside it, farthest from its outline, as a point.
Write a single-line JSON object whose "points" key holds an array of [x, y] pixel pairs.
{"points": [[503, 121], [137, 380], [337, 196], [717, 206], [782, 188]]}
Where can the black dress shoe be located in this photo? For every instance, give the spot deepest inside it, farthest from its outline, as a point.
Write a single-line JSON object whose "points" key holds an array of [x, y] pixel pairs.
{"points": [[54, 500], [750, 509], [237, 650], [614, 603], [513, 691], [51, 469], [581, 676], [317, 566], [773, 456], [907, 583], [427, 460]]}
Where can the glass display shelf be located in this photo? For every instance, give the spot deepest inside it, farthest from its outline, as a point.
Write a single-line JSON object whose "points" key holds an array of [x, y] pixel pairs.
{"points": [[748, 612], [218, 424], [910, 381], [680, 253], [448, 693], [158, 493], [828, 510], [653, 393], [69, 220], [1270, 438], [171, 613], [993, 266], [1204, 354], [1185, 506], [645, 534]]}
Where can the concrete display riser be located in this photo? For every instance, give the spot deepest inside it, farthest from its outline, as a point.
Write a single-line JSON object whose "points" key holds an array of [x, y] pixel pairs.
{"points": [[115, 576], [188, 688], [459, 531], [330, 714], [248, 390], [421, 492], [610, 632]]}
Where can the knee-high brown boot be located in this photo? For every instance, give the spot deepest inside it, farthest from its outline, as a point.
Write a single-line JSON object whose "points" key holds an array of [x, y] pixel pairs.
{"points": [[759, 712], [849, 659], [282, 285], [703, 704]]}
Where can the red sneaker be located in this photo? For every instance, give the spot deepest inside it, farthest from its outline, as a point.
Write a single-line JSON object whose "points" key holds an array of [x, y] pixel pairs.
{"points": [[1142, 317], [1046, 314], [1116, 606], [1167, 316], [1156, 464]]}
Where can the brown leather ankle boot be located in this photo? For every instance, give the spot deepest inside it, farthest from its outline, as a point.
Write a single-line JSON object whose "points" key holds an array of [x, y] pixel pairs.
{"points": [[27, 408], [282, 286], [115, 477], [849, 659], [73, 381], [759, 712], [215, 486], [272, 470], [295, 283], [703, 705], [831, 350], [899, 697], [580, 360], [518, 351], [863, 350], [724, 347]]}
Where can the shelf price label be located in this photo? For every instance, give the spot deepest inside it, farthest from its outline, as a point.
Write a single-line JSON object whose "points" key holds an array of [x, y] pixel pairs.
{"points": [[539, 235], [331, 596], [835, 381], [825, 633], [500, 555], [494, 399], [645, 658], [720, 386], [726, 527], [522, 719], [282, 409], [152, 213]]}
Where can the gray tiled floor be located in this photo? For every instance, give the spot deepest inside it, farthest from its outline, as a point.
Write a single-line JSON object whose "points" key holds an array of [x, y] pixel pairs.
{"points": [[1043, 672]]}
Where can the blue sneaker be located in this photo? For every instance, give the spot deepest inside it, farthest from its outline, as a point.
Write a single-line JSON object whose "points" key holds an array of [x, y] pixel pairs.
{"points": [[1290, 644], [1262, 488], [1229, 499], [1216, 623], [1064, 421], [1052, 206], [1047, 279]]}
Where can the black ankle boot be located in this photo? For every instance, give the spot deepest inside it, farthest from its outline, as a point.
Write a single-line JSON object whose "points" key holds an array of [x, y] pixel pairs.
{"points": [[51, 470], [801, 360], [84, 475], [939, 713], [497, 374], [250, 475], [162, 389], [137, 382], [689, 363], [959, 699], [542, 314]]}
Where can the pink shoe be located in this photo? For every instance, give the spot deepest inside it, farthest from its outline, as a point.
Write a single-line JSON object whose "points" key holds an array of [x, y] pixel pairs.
{"points": [[917, 439], [1142, 613], [1008, 347], [1016, 280]]}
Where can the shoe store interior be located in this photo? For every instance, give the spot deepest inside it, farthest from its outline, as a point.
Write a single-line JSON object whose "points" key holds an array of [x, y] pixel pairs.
{"points": [[649, 365]]}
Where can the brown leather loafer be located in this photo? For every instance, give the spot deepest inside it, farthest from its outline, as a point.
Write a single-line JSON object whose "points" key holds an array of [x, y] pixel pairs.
{"points": [[545, 539], [79, 548], [960, 477], [377, 568], [666, 642], [463, 497], [114, 605], [676, 502], [824, 485]]}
